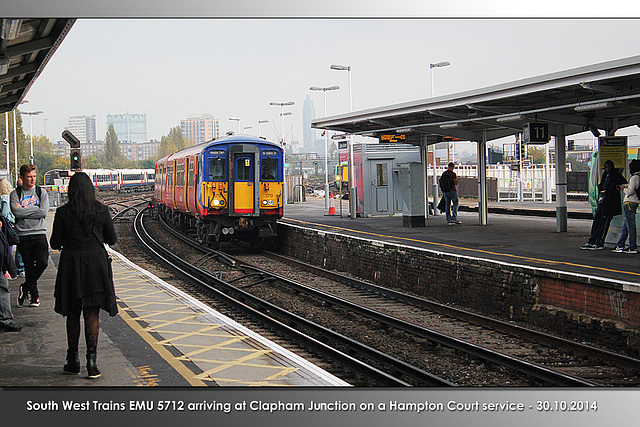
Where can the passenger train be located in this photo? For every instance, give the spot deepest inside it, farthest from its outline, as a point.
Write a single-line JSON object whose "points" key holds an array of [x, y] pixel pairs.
{"points": [[110, 179], [227, 188]]}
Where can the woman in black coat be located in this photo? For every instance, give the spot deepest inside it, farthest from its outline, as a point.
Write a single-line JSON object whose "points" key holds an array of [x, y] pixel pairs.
{"points": [[609, 205], [84, 283]]}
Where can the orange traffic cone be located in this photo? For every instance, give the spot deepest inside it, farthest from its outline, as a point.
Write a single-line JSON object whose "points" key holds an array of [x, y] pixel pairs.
{"points": [[332, 208]]}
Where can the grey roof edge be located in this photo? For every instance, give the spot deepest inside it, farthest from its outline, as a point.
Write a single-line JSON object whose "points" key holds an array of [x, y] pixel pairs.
{"points": [[588, 73]]}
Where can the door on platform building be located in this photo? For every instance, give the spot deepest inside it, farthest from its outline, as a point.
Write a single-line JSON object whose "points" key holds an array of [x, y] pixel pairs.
{"points": [[382, 187]]}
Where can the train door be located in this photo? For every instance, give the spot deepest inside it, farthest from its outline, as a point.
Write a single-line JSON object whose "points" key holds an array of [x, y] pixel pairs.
{"points": [[244, 185], [382, 191]]}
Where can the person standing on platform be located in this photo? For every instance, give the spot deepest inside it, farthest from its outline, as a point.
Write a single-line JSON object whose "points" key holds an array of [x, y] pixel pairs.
{"points": [[609, 205], [631, 202], [448, 181], [30, 206], [84, 284], [6, 266]]}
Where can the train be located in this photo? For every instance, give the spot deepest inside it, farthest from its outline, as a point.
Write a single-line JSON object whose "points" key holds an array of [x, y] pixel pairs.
{"points": [[124, 180], [229, 188]]}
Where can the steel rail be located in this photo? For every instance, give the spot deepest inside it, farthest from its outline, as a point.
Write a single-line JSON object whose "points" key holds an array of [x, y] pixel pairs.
{"points": [[619, 360]]}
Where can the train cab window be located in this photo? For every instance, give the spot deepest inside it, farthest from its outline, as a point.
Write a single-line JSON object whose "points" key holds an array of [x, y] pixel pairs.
{"points": [[217, 170], [269, 170]]}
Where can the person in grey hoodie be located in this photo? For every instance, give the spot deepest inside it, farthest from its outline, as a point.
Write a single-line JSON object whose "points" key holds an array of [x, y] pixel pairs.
{"points": [[631, 202], [30, 205]]}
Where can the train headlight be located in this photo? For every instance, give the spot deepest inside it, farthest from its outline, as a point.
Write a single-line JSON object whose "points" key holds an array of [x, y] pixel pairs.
{"points": [[264, 202], [270, 202], [216, 202]]}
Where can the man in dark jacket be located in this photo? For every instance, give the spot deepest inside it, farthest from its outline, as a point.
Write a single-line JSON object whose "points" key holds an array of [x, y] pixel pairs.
{"points": [[609, 205]]}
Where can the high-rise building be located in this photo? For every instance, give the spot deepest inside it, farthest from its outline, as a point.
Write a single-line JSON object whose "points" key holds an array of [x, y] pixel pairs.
{"points": [[129, 127], [200, 128], [308, 114], [83, 127]]}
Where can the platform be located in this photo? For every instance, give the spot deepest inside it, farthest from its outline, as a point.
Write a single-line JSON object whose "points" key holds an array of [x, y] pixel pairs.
{"points": [[161, 337], [525, 236]]}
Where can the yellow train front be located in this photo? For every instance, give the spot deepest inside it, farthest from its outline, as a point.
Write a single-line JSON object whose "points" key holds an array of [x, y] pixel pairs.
{"points": [[224, 189]]}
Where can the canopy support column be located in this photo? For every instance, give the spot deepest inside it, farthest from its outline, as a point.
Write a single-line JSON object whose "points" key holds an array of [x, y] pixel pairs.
{"points": [[561, 179], [483, 208]]}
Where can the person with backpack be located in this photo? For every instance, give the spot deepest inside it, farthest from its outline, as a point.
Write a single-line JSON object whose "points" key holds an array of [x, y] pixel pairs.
{"points": [[448, 182], [609, 205], [30, 206], [631, 202]]}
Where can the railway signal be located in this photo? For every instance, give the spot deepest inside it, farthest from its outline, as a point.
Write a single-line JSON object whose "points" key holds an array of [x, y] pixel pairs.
{"points": [[75, 161]]}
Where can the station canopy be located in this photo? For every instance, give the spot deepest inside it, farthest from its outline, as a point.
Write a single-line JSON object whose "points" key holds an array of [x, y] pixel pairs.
{"points": [[600, 97], [26, 45]]}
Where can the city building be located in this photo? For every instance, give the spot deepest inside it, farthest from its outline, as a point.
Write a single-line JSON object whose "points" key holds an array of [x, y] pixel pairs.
{"points": [[129, 127], [83, 127], [200, 128], [308, 114]]}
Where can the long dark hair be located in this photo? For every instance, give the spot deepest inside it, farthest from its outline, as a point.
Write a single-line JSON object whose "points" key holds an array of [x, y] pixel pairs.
{"points": [[82, 201]]}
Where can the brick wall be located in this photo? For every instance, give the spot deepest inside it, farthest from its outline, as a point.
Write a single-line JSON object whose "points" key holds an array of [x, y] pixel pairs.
{"points": [[579, 307]]}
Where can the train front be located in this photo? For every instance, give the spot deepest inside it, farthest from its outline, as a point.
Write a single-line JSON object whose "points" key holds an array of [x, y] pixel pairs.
{"points": [[242, 187]]}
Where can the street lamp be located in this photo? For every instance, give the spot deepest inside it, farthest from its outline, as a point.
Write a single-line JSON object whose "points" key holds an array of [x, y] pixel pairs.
{"points": [[237, 120], [326, 144], [244, 129], [352, 173], [431, 67], [31, 113], [260, 122], [282, 144]]}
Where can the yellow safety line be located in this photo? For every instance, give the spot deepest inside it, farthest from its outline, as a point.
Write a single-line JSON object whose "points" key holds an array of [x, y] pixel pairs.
{"points": [[543, 261], [185, 372]]}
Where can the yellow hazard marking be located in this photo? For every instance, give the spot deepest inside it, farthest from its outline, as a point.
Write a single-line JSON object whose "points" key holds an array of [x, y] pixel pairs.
{"points": [[166, 322], [446, 245]]}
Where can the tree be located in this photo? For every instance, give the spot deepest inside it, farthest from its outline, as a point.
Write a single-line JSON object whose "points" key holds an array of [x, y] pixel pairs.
{"points": [[171, 143], [111, 156]]}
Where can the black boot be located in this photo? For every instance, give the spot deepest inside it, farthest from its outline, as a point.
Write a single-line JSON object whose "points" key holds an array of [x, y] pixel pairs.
{"points": [[92, 368], [73, 363]]}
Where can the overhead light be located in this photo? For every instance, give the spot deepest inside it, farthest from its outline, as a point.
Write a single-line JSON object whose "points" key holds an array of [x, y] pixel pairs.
{"points": [[403, 130], [509, 118], [594, 106], [338, 137], [4, 64], [10, 28], [450, 126]]}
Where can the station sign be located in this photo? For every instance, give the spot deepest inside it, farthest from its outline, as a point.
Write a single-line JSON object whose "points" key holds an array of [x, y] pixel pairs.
{"points": [[393, 138], [535, 133], [613, 148]]}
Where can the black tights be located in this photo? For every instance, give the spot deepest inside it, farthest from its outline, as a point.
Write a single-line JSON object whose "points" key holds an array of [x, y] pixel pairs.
{"points": [[91, 328]]}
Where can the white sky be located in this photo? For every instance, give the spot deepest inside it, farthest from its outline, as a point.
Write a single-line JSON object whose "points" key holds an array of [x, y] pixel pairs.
{"points": [[170, 68]]}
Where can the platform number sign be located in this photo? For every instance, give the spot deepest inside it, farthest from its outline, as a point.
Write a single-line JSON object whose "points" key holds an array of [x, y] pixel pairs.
{"points": [[536, 133]]}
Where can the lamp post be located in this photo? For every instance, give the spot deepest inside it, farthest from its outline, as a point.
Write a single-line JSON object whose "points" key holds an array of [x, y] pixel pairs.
{"points": [[260, 122], [237, 120], [352, 173], [431, 67], [6, 138], [326, 144], [31, 113], [244, 129], [282, 144]]}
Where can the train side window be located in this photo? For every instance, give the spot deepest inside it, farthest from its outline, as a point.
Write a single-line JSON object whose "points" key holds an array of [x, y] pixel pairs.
{"points": [[269, 169], [217, 170]]}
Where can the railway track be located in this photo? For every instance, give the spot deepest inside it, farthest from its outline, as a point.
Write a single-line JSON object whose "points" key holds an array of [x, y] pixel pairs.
{"points": [[547, 359], [296, 328]]}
